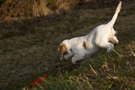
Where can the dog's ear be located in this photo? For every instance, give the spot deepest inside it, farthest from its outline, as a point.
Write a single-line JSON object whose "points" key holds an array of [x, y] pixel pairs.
{"points": [[62, 49]]}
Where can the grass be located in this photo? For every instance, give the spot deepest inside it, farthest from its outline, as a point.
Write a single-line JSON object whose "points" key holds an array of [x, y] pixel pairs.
{"points": [[28, 50]]}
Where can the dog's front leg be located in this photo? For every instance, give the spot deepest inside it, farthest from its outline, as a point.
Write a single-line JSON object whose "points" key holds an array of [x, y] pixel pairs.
{"points": [[76, 58], [68, 55]]}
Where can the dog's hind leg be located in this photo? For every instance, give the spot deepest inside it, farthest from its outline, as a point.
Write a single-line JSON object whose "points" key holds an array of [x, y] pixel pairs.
{"points": [[113, 40], [109, 46]]}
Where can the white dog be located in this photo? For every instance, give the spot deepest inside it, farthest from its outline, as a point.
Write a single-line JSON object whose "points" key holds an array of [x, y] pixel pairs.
{"points": [[103, 36]]}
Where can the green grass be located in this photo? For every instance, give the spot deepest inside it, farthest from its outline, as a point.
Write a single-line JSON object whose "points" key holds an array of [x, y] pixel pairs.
{"points": [[28, 50]]}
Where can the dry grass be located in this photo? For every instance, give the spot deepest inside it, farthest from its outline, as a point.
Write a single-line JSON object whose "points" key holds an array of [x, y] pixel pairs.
{"points": [[28, 50], [28, 8], [20, 9]]}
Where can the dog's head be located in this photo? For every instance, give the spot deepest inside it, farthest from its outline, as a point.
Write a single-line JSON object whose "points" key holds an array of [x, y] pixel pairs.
{"points": [[62, 49]]}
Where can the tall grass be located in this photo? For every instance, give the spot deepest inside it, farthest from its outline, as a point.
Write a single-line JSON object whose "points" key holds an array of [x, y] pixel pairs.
{"points": [[18, 9], [28, 8]]}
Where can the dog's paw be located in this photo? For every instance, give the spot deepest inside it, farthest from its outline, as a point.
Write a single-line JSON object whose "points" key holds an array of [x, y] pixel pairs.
{"points": [[61, 58], [66, 57], [116, 40], [113, 40], [110, 47], [74, 61]]}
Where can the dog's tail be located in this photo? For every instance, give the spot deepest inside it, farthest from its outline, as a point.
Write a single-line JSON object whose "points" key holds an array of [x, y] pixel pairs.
{"points": [[111, 23]]}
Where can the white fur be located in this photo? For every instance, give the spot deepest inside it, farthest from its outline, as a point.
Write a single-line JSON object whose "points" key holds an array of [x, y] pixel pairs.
{"points": [[96, 39]]}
